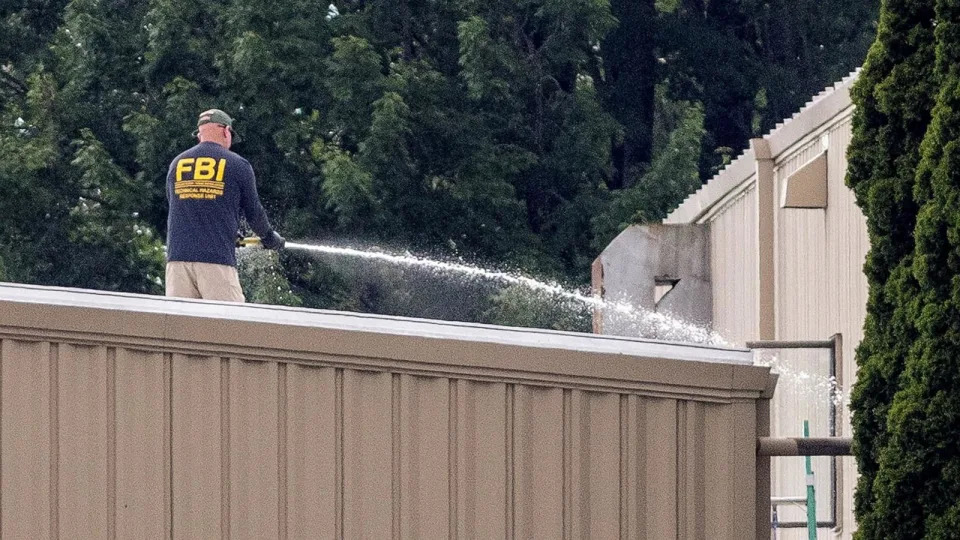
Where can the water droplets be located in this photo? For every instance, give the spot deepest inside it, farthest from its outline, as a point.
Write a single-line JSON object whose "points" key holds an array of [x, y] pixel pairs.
{"points": [[645, 323], [815, 386]]}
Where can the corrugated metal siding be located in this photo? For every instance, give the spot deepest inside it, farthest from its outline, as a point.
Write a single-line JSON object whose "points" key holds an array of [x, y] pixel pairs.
{"points": [[821, 290], [28, 501], [143, 430], [848, 244], [482, 441], [800, 307], [120, 440], [427, 437], [733, 264], [313, 456], [800, 260]]}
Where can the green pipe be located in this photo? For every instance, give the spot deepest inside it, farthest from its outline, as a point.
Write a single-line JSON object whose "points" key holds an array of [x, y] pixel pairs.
{"points": [[811, 499]]}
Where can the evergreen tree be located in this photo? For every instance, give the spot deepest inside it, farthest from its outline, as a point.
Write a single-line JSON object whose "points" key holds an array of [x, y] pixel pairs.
{"points": [[26, 27], [752, 63], [671, 177], [916, 487], [491, 158], [801, 45], [893, 96]]}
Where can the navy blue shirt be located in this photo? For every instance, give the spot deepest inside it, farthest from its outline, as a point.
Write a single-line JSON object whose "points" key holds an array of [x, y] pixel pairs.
{"points": [[208, 187]]}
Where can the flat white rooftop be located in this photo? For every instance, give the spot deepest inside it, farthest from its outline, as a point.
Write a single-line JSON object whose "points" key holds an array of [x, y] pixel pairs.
{"points": [[377, 324]]}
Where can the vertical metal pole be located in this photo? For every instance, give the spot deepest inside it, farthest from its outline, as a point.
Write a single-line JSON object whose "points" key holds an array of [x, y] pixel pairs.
{"points": [[775, 524], [762, 530], [766, 240], [811, 499]]}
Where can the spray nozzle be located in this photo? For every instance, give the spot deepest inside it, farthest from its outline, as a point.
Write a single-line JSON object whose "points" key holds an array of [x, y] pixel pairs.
{"points": [[249, 241]]}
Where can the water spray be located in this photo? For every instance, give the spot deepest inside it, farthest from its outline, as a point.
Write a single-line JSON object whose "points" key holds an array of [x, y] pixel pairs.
{"points": [[648, 323]]}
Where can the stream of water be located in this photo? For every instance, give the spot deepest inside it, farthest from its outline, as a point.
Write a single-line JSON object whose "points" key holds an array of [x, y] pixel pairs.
{"points": [[646, 323]]}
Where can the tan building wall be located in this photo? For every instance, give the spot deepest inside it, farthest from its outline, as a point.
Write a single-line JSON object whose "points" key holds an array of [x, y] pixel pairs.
{"points": [[797, 276], [143, 417], [734, 269], [821, 288]]}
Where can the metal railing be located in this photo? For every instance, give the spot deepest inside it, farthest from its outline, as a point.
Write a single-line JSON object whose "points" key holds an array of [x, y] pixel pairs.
{"points": [[813, 446]]}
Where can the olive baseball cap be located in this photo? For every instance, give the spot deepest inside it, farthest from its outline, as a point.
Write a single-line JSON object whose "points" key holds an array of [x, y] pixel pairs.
{"points": [[216, 116]]}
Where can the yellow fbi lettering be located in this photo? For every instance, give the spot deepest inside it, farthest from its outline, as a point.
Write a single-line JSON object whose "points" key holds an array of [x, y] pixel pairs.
{"points": [[202, 168], [199, 178]]}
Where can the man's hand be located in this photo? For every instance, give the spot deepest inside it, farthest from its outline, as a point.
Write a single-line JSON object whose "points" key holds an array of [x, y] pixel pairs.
{"points": [[273, 241]]}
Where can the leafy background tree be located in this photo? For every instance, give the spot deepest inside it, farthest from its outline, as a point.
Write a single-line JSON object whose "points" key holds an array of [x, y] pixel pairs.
{"points": [[522, 135]]}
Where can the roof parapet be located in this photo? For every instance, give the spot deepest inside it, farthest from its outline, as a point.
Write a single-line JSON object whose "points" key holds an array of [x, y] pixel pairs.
{"points": [[822, 108]]}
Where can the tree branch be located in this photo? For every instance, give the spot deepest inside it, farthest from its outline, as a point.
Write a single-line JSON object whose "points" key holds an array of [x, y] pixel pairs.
{"points": [[13, 83]]}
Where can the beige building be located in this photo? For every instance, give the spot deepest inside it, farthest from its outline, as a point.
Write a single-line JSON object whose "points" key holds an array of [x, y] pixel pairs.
{"points": [[137, 416], [771, 248], [131, 416]]}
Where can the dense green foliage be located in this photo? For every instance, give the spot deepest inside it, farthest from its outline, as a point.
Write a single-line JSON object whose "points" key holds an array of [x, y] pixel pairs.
{"points": [[522, 134], [904, 169]]}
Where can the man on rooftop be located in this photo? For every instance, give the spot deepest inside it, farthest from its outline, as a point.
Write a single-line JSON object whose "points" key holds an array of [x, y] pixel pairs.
{"points": [[208, 186]]}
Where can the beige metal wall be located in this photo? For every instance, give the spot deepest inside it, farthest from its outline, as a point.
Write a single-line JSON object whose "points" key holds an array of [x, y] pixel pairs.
{"points": [[848, 293], [140, 417], [818, 257], [801, 252], [821, 289], [733, 265]]}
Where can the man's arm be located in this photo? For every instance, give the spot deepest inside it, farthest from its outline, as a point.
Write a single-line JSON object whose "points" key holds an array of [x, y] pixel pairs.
{"points": [[168, 188], [254, 212]]}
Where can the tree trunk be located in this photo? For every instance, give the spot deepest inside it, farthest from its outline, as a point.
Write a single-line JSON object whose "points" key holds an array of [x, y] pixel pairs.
{"points": [[630, 80]]}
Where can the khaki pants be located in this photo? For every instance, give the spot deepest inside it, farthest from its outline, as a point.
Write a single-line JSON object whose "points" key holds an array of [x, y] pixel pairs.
{"points": [[203, 280]]}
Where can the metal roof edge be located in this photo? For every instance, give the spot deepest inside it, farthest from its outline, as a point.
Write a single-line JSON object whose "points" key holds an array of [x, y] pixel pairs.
{"points": [[369, 323], [818, 111]]}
